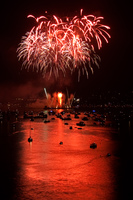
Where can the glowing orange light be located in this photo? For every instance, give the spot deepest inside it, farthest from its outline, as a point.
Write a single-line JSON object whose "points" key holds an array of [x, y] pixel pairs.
{"points": [[59, 95], [60, 98]]}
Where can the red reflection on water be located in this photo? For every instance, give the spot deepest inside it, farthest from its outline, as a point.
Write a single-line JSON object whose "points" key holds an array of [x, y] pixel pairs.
{"points": [[71, 170]]}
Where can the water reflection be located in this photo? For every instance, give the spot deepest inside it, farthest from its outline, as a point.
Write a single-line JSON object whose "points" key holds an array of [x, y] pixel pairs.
{"points": [[69, 171]]}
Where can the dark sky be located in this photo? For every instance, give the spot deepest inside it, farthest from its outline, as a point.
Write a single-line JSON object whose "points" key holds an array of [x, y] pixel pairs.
{"points": [[115, 70]]}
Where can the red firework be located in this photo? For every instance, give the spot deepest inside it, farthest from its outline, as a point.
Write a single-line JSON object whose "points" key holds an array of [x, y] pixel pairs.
{"points": [[56, 44]]}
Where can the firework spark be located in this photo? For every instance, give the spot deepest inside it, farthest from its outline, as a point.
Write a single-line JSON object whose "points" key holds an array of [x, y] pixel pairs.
{"points": [[55, 44], [60, 98]]}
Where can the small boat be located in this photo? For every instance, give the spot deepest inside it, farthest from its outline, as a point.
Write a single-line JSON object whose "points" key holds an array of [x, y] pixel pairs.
{"points": [[80, 124], [76, 116], [59, 116], [93, 145], [40, 115], [51, 112], [85, 118], [32, 119], [30, 139], [61, 143], [66, 118], [52, 118], [46, 121], [108, 154]]}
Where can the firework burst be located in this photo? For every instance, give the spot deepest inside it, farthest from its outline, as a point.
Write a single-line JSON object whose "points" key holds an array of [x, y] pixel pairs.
{"points": [[56, 44]]}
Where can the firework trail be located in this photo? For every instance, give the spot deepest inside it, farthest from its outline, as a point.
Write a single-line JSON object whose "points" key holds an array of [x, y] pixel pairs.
{"points": [[55, 44]]}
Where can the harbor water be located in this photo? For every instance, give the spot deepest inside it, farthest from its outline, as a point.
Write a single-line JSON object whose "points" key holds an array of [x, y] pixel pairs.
{"points": [[59, 163]]}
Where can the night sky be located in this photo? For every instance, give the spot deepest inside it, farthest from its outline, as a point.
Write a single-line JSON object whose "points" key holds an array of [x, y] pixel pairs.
{"points": [[115, 70]]}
